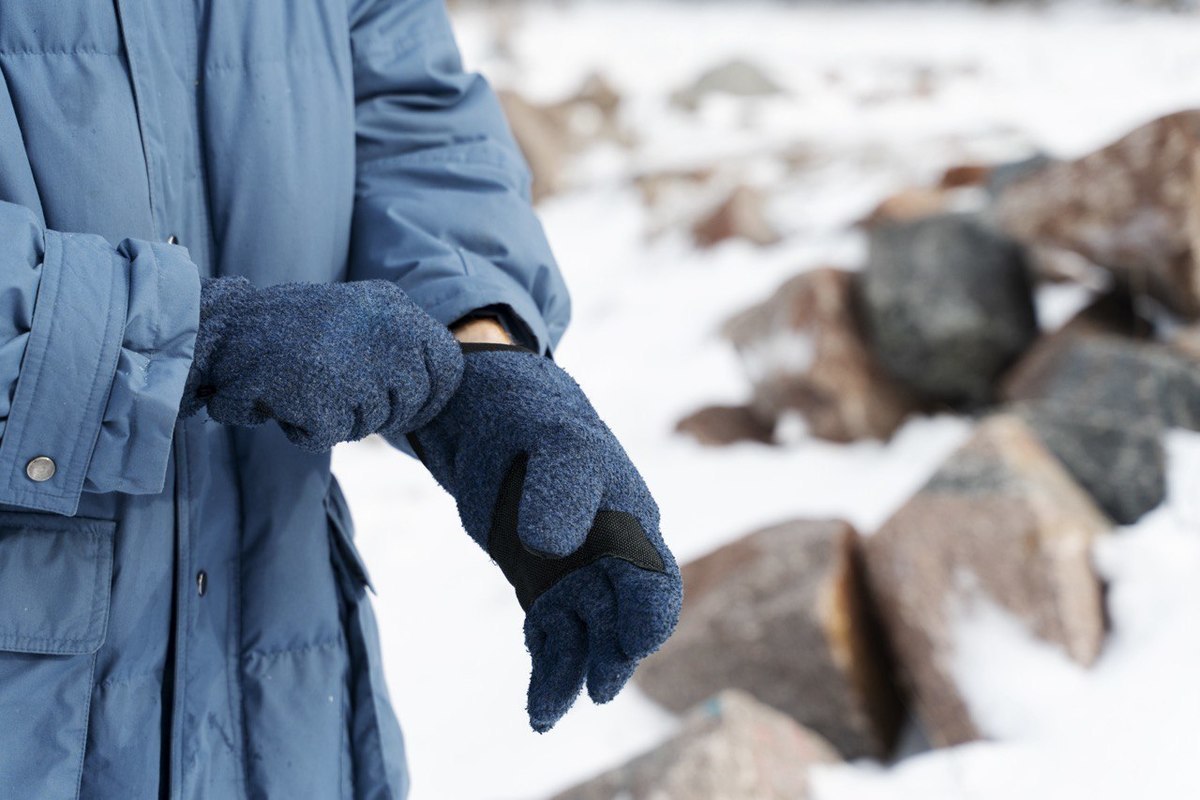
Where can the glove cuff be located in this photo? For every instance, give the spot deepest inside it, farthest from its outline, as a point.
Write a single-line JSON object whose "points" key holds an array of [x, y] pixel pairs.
{"points": [[489, 347]]}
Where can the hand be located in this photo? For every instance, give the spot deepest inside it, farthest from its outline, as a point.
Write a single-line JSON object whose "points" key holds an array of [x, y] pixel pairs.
{"points": [[546, 489], [328, 362]]}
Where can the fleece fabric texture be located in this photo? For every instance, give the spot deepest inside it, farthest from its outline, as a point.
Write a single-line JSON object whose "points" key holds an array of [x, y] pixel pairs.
{"points": [[597, 621], [328, 362]]}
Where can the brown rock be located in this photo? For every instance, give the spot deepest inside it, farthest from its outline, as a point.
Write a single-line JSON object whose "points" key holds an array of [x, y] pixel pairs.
{"points": [[742, 215], [804, 351], [543, 138], [909, 204], [723, 425], [965, 175], [548, 134], [1003, 519], [782, 614], [731, 748], [662, 185], [1131, 207]]}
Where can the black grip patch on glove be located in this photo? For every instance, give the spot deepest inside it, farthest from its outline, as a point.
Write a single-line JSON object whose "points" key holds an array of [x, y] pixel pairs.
{"points": [[615, 534]]}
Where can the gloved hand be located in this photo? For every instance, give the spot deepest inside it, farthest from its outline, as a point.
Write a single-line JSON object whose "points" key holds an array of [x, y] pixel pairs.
{"points": [[329, 362], [543, 485]]}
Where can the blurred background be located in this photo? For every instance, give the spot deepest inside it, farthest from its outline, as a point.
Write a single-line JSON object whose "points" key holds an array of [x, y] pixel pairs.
{"points": [[892, 303]]}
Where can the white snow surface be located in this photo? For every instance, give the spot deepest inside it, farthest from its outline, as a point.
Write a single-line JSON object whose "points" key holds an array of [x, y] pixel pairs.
{"points": [[878, 97]]}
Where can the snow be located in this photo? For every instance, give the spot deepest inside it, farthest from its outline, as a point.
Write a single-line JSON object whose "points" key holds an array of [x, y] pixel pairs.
{"points": [[1124, 728], [879, 97]]}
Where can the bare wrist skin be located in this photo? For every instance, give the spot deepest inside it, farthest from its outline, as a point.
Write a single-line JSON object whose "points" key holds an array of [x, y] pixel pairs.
{"points": [[487, 331]]}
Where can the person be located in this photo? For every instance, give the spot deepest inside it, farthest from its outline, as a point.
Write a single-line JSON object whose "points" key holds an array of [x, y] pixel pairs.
{"points": [[232, 235]]}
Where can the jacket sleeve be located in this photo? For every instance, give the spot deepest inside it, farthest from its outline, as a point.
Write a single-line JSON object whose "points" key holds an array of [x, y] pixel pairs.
{"points": [[95, 346], [443, 194]]}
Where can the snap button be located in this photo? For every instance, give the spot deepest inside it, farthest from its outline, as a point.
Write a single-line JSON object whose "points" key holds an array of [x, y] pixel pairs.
{"points": [[172, 239], [202, 583], [40, 468]]}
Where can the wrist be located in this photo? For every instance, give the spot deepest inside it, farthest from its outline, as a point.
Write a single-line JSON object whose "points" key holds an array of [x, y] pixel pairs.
{"points": [[481, 330]]}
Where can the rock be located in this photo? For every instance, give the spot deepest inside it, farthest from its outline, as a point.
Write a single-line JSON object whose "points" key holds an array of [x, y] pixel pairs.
{"points": [[783, 615], [961, 175], [731, 747], [1004, 175], [724, 425], [1122, 467], [948, 305], [1001, 519], [918, 203], [543, 139], [908, 205], [1186, 341], [741, 215], [1101, 402], [1112, 377], [659, 186], [1132, 207], [1058, 265], [737, 78], [1112, 313], [549, 134], [803, 350]]}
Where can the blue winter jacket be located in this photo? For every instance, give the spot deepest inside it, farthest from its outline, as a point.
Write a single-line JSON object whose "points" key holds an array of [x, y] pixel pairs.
{"points": [[181, 606]]}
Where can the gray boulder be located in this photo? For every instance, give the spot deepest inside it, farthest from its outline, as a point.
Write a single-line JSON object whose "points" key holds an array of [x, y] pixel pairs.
{"points": [[1101, 403], [948, 305]]}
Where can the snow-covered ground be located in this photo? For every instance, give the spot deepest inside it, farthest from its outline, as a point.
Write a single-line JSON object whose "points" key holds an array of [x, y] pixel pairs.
{"points": [[878, 97]]}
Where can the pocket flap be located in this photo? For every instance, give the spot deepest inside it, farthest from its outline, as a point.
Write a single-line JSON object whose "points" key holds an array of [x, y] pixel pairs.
{"points": [[55, 581]]}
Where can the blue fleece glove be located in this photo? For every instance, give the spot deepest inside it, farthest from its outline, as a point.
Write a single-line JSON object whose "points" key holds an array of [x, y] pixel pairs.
{"points": [[545, 488], [328, 362]]}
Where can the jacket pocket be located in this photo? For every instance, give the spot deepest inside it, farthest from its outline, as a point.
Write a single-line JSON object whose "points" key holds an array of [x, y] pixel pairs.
{"points": [[377, 760], [55, 581]]}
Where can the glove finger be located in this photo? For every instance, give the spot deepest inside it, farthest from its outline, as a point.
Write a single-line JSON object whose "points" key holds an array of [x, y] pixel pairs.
{"points": [[609, 668], [229, 410], [318, 436], [369, 416], [557, 642], [647, 604], [443, 361], [559, 500]]}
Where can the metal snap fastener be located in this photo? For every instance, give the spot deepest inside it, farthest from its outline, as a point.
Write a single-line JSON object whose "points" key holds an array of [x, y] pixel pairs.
{"points": [[202, 583], [40, 468], [172, 239]]}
